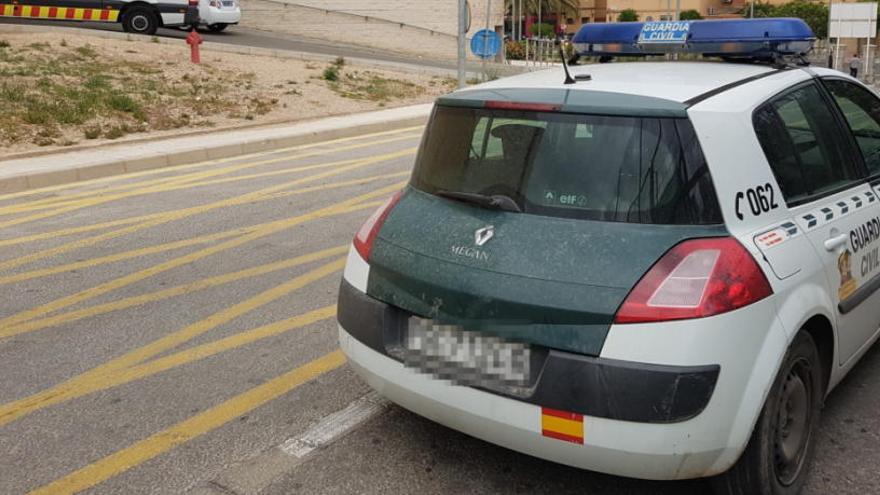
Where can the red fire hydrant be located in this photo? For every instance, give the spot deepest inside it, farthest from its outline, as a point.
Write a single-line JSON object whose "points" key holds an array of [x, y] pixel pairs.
{"points": [[194, 40]]}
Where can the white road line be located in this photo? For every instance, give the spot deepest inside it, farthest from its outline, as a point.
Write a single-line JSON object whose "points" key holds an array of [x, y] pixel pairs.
{"points": [[335, 425]]}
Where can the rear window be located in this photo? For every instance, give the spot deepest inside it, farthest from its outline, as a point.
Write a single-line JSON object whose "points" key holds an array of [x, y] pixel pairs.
{"points": [[616, 169]]}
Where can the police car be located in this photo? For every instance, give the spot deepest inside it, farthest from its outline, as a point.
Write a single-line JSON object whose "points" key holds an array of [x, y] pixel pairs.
{"points": [[652, 269], [136, 16]]}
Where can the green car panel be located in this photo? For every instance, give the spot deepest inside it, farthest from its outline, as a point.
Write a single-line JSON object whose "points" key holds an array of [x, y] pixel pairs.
{"points": [[553, 282]]}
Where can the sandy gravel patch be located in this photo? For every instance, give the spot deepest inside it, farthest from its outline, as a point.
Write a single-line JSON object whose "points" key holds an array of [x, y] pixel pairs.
{"points": [[59, 90]]}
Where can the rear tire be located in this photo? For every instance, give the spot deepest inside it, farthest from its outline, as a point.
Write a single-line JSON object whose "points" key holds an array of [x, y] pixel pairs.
{"points": [[140, 20], [781, 449], [216, 28]]}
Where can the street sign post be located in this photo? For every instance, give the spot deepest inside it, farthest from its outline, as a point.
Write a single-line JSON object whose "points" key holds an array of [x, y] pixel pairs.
{"points": [[485, 44]]}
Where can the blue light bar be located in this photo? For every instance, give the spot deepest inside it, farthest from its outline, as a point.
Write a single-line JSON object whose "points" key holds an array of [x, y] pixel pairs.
{"points": [[733, 38]]}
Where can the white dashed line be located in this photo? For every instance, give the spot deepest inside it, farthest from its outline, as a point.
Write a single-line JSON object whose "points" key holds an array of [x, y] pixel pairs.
{"points": [[335, 425]]}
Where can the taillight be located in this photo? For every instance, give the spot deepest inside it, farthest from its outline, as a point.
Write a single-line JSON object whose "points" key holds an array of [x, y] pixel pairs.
{"points": [[366, 235], [695, 279], [522, 106]]}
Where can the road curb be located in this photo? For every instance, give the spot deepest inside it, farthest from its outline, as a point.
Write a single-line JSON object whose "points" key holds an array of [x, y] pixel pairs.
{"points": [[61, 168]]}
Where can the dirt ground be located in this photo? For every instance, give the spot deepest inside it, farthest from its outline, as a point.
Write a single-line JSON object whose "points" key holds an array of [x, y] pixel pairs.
{"points": [[59, 90]]}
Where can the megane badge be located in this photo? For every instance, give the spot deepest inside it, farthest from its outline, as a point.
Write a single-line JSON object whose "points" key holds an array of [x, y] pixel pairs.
{"points": [[482, 236]]}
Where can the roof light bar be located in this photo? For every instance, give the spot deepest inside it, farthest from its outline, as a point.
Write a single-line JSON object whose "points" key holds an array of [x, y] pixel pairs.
{"points": [[730, 38]]}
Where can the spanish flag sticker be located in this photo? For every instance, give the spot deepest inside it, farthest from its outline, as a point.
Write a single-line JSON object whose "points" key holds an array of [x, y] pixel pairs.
{"points": [[562, 425]]}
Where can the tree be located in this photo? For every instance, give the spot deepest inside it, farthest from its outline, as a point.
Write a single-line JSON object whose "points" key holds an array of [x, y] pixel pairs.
{"points": [[761, 10], [815, 14], [543, 30], [628, 15], [689, 15]]}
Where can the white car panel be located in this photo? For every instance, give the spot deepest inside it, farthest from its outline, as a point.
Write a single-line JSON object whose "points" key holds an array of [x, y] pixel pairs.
{"points": [[357, 271]]}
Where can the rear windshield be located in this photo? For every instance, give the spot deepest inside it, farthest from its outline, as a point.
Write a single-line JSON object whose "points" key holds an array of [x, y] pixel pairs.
{"points": [[616, 169]]}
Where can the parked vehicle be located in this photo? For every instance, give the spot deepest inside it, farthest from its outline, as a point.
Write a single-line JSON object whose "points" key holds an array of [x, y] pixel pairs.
{"points": [[656, 270], [136, 16]]}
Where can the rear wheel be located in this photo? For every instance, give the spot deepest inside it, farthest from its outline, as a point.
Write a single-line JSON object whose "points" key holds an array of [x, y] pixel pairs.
{"points": [[216, 28], [140, 20], [781, 448]]}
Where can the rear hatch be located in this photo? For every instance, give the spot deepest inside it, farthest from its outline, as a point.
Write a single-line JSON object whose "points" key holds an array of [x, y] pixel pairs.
{"points": [[533, 222]]}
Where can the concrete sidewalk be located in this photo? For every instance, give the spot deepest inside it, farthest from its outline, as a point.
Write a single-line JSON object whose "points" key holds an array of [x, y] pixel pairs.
{"points": [[101, 161]]}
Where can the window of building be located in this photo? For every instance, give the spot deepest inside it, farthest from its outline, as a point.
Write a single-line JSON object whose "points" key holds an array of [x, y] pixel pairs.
{"points": [[585, 20]]}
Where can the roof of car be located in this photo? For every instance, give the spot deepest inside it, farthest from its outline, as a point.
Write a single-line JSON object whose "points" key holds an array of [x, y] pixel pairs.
{"points": [[673, 81]]}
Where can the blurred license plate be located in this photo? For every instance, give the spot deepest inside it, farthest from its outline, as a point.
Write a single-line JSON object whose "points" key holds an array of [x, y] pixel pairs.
{"points": [[466, 358]]}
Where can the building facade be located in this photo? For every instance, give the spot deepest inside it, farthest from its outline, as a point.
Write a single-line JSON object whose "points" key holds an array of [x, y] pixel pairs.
{"points": [[411, 27]]}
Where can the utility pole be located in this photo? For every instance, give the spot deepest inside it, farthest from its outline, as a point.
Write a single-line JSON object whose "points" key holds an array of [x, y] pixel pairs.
{"points": [[462, 34], [486, 38], [752, 9], [677, 10]]}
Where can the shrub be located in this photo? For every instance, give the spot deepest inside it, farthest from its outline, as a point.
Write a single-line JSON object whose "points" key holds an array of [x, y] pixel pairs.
{"points": [[689, 15], [514, 50], [331, 73], [543, 30], [628, 15]]}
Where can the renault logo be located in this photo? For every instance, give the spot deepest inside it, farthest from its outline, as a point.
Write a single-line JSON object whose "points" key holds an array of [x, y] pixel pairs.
{"points": [[482, 236]]}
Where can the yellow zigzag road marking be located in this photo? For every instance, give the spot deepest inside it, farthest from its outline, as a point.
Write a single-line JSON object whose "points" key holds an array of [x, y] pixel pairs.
{"points": [[179, 290], [206, 163], [166, 184], [127, 221], [101, 199], [155, 219], [136, 253], [193, 427], [102, 376], [259, 232]]}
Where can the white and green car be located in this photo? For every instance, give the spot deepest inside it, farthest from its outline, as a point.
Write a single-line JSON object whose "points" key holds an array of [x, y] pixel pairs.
{"points": [[654, 270]]}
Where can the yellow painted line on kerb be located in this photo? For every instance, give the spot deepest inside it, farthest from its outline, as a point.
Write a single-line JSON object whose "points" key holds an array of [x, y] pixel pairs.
{"points": [[169, 246], [205, 163], [176, 291], [264, 230], [174, 183], [102, 376], [156, 219], [191, 428]]}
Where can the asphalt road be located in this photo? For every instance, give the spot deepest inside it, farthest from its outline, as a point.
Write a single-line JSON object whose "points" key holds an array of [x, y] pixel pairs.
{"points": [[173, 331], [237, 35]]}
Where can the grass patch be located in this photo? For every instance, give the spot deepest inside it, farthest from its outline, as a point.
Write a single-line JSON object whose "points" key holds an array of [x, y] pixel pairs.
{"points": [[86, 51], [373, 87], [60, 94]]}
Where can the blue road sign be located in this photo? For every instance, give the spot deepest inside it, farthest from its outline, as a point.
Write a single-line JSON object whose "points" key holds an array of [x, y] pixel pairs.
{"points": [[485, 43]]}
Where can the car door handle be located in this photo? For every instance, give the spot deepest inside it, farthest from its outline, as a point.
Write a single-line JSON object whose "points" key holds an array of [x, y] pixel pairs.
{"points": [[835, 242]]}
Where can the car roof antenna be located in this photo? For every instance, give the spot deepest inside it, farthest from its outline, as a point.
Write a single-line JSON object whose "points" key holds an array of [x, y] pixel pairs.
{"points": [[568, 78]]}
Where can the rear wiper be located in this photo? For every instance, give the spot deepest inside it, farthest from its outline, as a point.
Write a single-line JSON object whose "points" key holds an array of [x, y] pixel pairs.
{"points": [[496, 201]]}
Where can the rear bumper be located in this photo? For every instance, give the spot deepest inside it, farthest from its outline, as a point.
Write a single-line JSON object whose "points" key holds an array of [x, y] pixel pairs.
{"points": [[748, 344], [211, 15], [605, 388], [638, 450]]}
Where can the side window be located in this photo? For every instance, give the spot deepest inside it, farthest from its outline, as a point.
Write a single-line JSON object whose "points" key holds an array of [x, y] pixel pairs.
{"points": [[803, 144], [862, 112]]}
